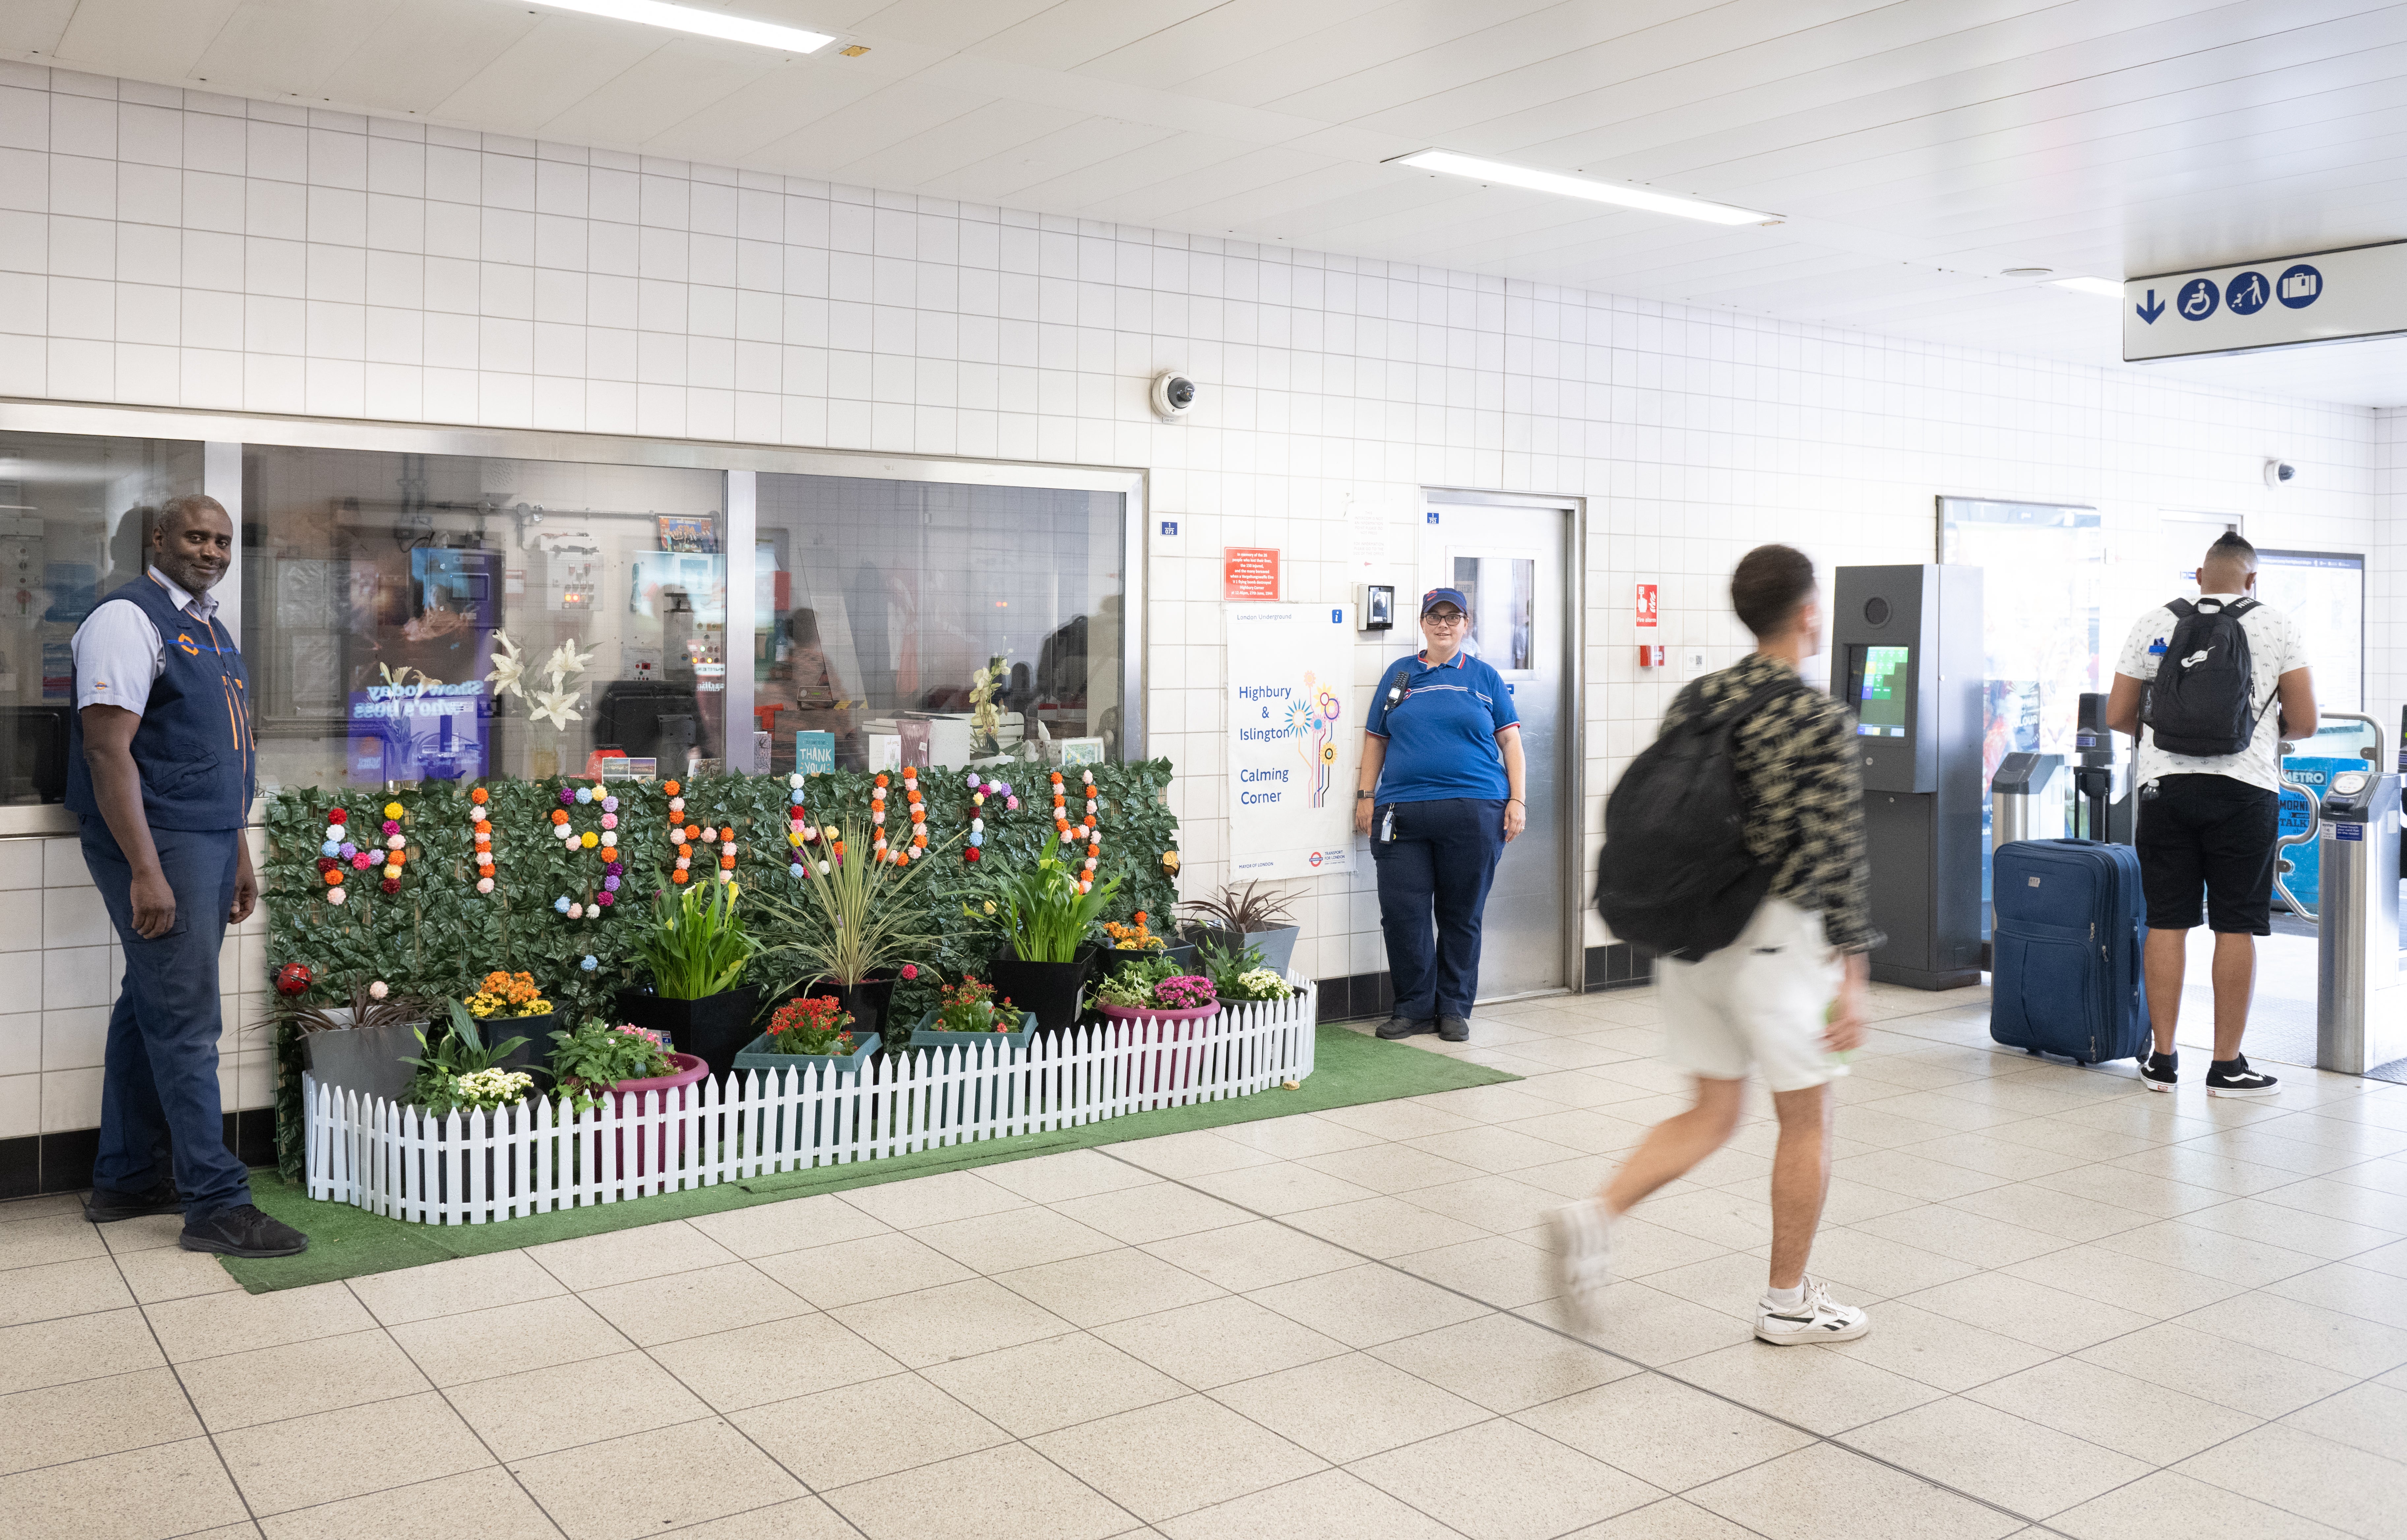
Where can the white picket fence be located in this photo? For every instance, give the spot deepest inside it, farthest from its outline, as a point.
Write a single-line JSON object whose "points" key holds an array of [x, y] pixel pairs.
{"points": [[477, 1167]]}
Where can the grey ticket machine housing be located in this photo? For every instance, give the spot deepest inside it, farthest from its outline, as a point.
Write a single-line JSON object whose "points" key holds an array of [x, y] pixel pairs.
{"points": [[1908, 658]]}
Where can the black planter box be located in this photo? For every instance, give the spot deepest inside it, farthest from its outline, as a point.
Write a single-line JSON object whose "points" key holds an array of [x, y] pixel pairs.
{"points": [[713, 1029], [1047, 990]]}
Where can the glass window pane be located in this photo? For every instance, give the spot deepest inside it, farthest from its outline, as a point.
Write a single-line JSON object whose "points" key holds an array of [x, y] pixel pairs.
{"points": [[883, 604], [75, 515], [382, 592]]}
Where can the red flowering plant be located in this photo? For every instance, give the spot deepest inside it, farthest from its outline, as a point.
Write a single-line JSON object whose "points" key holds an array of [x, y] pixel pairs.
{"points": [[808, 1025], [970, 1006]]}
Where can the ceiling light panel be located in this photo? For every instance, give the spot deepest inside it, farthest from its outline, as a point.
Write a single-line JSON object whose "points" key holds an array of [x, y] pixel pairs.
{"points": [[700, 21], [1562, 184]]}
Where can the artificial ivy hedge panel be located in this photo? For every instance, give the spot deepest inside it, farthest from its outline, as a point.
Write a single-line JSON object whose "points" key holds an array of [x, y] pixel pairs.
{"points": [[436, 935]]}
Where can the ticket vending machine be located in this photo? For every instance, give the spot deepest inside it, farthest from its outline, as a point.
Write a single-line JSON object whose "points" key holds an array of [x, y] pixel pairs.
{"points": [[1908, 658]]}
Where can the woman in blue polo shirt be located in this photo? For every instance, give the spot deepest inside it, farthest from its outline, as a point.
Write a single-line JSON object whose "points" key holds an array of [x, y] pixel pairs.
{"points": [[1441, 796]]}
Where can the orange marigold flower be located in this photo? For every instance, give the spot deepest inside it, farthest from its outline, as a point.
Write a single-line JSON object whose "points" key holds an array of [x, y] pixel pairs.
{"points": [[679, 877], [728, 862], [670, 786], [479, 796], [559, 815]]}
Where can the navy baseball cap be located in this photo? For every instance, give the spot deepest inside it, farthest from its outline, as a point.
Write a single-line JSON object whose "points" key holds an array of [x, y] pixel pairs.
{"points": [[1437, 596]]}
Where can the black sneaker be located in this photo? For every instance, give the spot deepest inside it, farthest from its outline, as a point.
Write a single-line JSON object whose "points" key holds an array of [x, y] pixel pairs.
{"points": [[103, 1206], [243, 1231], [2161, 1071], [1454, 1029], [1400, 1026], [2234, 1077]]}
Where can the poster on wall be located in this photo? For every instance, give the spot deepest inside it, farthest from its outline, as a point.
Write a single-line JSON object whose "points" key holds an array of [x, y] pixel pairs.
{"points": [[419, 731], [1292, 746]]}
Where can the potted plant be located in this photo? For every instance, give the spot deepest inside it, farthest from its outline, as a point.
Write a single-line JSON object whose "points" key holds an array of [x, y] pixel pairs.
{"points": [[852, 935], [968, 1013], [461, 1073], [1237, 917], [1136, 936], [516, 1000], [806, 1031], [696, 950], [1240, 974], [622, 1062], [1046, 954], [1142, 992], [363, 1047]]}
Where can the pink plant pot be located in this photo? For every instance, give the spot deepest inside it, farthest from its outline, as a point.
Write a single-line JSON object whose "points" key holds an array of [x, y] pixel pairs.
{"points": [[1167, 1070], [627, 1098]]}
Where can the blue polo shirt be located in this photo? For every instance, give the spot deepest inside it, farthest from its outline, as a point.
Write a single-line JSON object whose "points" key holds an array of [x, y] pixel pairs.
{"points": [[1441, 725]]}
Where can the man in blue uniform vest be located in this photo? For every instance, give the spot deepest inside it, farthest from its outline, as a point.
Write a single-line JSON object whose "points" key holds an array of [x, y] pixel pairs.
{"points": [[160, 771]]}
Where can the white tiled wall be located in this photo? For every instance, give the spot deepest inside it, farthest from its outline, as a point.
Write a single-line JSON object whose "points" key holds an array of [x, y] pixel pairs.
{"points": [[174, 248]]}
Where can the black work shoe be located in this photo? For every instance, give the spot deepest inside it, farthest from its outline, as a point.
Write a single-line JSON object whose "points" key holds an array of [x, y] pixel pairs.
{"points": [[243, 1231], [1454, 1029], [2161, 1071], [1401, 1026], [2234, 1077], [103, 1207]]}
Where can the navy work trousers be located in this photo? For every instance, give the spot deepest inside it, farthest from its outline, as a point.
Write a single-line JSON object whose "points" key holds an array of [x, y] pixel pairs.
{"points": [[1438, 866], [160, 1084]]}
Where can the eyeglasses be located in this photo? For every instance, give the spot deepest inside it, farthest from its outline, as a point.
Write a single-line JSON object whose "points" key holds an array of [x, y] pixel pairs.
{"points": [[1445, 618]]}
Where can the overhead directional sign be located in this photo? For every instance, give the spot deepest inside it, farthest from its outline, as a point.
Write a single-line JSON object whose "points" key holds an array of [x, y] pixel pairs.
{"points": [[2285, 302]]}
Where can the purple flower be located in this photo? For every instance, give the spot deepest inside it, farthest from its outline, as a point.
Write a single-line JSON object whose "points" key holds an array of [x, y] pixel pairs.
{"points": [[614, 869], [609, 884], [567, 798]]}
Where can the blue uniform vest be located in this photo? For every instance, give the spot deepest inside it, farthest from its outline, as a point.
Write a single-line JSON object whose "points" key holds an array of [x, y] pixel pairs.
{"points": [[195, 747]]}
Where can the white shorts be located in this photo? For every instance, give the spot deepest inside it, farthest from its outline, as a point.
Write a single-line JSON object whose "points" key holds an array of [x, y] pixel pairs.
{"points": [[1758, 1002]]}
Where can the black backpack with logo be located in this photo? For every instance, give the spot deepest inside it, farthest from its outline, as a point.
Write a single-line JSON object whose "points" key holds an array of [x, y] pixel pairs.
{"points": [[1675, 874], [2203, 699]]}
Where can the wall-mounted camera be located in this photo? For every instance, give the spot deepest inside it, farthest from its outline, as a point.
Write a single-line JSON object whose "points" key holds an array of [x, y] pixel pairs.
{"points": [[2280, 473], [1174, 393]]}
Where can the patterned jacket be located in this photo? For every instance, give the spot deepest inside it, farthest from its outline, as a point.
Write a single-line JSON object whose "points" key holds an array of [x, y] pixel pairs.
{"points": [[1796, 761]]}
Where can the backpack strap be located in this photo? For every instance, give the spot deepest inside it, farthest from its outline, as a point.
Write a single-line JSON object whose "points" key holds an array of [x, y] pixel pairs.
{"points": [[1763, 694], [2242, 607], [2182, 609]]}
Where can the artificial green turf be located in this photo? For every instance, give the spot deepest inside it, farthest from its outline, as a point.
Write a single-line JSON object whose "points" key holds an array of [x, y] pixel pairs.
{"points": [[1349, 1068]]}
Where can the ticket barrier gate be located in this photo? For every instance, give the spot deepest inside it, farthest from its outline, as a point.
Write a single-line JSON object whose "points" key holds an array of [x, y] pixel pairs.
{"points": [[2360, 1005]]}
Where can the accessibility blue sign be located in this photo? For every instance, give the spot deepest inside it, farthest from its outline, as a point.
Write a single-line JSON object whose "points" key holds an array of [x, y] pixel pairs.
{"points": [[2297, 301], [2247, 293], [2151, 309], [2198, 299]]}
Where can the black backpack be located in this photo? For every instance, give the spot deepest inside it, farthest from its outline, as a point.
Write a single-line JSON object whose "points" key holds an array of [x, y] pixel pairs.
{"points": [[2203, 699], [1675, 874]]}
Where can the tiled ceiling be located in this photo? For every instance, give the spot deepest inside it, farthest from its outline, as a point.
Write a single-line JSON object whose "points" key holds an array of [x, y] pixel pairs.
{"points": [[1914, 148]]}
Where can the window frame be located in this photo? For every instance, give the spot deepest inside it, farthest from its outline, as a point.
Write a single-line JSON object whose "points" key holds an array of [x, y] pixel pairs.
{"points": [[224, 435]]}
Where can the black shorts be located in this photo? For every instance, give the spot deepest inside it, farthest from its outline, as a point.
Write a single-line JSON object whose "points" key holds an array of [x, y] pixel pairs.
{"points": [[2213, 834]]}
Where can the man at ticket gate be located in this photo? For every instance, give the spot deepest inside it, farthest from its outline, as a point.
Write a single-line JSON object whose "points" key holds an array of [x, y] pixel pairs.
{"points": [[2218, 685], [159, 774]]}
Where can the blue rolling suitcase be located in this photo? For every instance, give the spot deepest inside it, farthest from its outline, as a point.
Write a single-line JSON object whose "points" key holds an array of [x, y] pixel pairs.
{"points": [[2066, 977]]}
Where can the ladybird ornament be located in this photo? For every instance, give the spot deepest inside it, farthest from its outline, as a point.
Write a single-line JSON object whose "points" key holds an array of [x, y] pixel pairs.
{"points": [[294, 979]]}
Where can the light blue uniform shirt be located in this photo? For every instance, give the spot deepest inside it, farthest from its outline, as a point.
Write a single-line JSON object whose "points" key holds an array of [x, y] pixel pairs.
{"points": [[1441, 726]]}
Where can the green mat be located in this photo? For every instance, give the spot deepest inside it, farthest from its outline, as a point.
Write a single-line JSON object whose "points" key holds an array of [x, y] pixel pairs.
{"points": [[1349, 1069]]}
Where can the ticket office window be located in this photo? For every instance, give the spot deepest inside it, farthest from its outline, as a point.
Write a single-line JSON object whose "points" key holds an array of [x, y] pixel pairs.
{"points": [[886, 611], [76, 514], [387, 598]]}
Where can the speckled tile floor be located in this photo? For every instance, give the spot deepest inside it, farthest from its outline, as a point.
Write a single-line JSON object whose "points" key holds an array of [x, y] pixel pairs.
{"points": [[2097, 1313]]}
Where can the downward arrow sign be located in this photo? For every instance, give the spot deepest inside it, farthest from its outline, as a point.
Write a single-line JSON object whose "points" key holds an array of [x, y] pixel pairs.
{"points": [[2150, 311]]}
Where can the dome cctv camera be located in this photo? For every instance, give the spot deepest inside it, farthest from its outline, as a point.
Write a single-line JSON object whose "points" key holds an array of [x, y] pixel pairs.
{"points": [[2280, 473], [1174, 393]]}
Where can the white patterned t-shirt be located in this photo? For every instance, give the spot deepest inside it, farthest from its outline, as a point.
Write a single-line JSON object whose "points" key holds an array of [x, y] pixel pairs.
{"points": [[2275, 649]]}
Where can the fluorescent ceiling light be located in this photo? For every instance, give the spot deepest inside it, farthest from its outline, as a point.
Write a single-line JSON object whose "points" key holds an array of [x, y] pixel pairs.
{"points": [[2102, 288], [694, 19], [1565, 185]]}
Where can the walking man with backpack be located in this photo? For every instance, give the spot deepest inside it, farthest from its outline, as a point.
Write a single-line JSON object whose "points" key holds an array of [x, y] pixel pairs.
{"points": [[2217, 684], [1734, 847]]}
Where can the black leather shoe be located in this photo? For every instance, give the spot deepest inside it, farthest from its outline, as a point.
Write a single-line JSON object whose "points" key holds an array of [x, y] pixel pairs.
{"points": [[103, 1206], [1399, 1026], [243, 1231], [1454, 1029]]}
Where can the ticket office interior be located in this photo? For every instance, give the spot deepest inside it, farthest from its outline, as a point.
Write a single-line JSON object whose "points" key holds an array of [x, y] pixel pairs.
{"points": [[408, 613]]}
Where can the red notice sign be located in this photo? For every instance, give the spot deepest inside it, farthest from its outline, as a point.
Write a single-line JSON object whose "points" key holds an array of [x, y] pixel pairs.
{"points": [[1647, 610], [1253, 573]]}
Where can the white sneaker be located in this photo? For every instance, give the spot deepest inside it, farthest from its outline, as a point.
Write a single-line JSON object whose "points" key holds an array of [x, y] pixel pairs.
{"points": [[1818, 1319], [1583, 1233]]}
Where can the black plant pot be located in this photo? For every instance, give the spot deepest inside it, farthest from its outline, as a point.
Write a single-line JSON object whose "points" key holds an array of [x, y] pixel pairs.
{"points": [[869, 1001], [1047, 990], [535, 1054], [713, 1029], [1277, 945]]}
